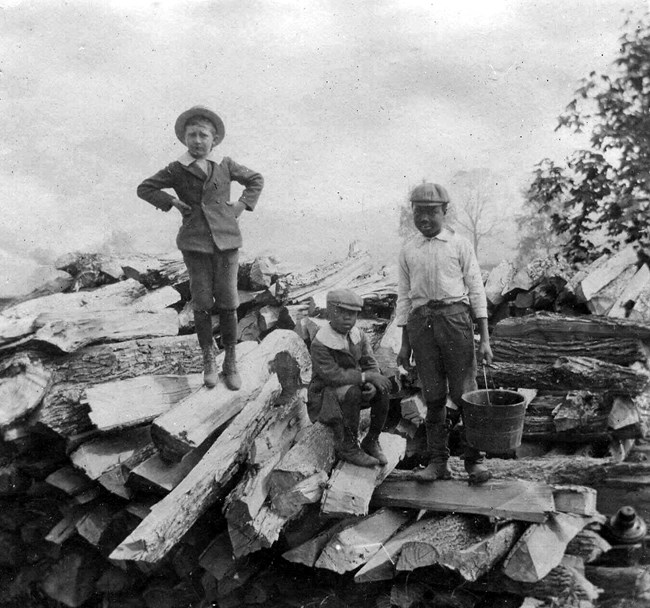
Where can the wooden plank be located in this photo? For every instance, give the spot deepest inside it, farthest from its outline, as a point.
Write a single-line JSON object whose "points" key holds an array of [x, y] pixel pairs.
{"points": [[197, 417], [542, 546], [308, 552], [123, 403], [353, 546], [508, 499], [176, 513], [466, 549], [350, 487]]}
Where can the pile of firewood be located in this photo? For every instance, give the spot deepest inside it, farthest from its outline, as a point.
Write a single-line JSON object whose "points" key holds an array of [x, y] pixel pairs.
{"points": [[125, 482]]}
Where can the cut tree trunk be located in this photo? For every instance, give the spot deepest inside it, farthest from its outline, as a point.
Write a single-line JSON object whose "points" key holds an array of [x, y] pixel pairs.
{"points": [[350, 487], [546, 327], [354, 545], [199, 416], [568, 374], [461, 547], [612, 350], [206, 483], [629, 583]]}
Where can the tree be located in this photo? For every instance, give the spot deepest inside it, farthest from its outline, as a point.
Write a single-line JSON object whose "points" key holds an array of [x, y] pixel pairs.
{"points": [[474, 203], [601, 197]]}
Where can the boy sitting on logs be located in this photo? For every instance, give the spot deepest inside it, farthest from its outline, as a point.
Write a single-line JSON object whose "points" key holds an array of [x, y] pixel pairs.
{"points": [[346, 379]]}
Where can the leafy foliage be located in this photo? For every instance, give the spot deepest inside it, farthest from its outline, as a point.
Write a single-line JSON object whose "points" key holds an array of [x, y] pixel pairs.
{"points": [[601, 197]]}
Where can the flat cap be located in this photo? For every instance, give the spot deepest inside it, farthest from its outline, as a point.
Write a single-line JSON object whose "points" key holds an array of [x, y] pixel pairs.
{"points": [[345, 299], [429, 194]]}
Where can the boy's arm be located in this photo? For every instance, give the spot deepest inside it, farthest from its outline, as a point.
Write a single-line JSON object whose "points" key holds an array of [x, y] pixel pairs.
{"points": [[252, 181], [151, 190], [403, 309], [328, 370]]}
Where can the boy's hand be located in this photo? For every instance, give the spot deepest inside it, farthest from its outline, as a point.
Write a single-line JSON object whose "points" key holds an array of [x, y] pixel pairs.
{"points": [[184, 208], [484, 355], [381, 383], [368, 391], [238, 208], [404, 357]]}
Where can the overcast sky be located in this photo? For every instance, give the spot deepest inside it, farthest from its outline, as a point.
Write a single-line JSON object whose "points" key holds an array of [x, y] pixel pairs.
{"points": [[342, 105]]}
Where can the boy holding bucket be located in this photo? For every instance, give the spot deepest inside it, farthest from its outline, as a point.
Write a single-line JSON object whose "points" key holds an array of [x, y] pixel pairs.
{"points": [[439, 286]]}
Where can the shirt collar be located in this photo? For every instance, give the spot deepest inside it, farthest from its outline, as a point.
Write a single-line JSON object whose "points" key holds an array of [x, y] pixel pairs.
{"points": [[444, 235], [187, 159], [333, 339]]}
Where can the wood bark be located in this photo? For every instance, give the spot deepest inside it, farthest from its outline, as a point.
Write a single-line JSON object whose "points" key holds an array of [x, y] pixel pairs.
{"points": [[631, 583], [353, 546], [177, 512], [546, 327], [196, 418], [568, 373], [350, 487], [469, 551], [612, 350], [588, 545]]}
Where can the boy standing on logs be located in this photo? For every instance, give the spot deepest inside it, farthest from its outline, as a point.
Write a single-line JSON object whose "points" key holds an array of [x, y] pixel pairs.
{"points": [[439, 286], [346, 379], [209, 236]]}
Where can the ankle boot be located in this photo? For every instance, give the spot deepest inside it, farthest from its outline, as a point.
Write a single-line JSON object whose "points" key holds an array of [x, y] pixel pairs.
{"points": [[438, 467], [231, 376], [346, 445], [209, 367], [370, 445], [474, 461]]}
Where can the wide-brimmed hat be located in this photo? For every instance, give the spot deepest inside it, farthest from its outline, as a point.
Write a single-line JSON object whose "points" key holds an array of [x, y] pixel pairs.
{"points": [[429, 194], [203, 112]]}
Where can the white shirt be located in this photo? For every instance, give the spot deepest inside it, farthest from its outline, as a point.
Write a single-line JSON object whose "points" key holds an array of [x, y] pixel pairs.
{"points": [[442, 268]]}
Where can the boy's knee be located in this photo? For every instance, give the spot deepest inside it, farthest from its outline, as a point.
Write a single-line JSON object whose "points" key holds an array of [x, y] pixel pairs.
{"points": [[350, 394]]}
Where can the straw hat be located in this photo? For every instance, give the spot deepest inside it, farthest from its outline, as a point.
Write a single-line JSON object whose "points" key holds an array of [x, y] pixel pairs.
{"points": [[203, 112]]}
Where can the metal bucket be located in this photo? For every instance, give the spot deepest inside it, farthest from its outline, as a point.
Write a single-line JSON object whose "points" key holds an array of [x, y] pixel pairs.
{"points": [[494, 419]]}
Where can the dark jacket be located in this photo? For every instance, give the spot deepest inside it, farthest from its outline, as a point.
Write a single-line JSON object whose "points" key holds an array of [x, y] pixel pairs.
{"points": [[212, 220], [336, 362]]}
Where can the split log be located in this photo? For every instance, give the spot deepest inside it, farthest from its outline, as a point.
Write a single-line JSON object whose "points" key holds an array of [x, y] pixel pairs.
{"points": [[602, 273], [308, 552], [582, 409], [624, 412], [520, 500], [24, 381], [100, 456], [588, 545], [631, 293], [413, 408], [312, 454], [124, 403], [381, 566], [199, 416], [564, 583], [542, 546], [629, 583], [568, 373], [350, 487], [67, 526], [551, 327], [602, 302], [315, 284], [498, 282], [74, 483], [177, 512], [268, 317], [458, 545], [353, 546], [388, 348], [579, 500], [612, 350], [157, 272]]}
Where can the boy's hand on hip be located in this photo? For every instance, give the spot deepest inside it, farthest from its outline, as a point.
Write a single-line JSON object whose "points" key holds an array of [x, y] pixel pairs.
{"points": [[238, 208], [184, 208], [381, 383]]}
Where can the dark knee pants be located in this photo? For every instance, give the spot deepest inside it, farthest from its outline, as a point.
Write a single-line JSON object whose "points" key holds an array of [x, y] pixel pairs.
{"points": [[213, 279], [442, 339]]}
